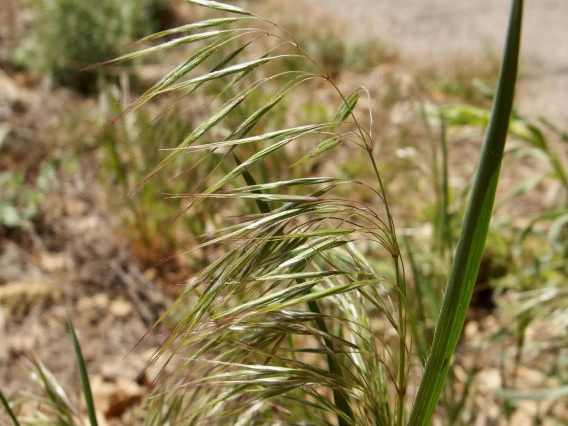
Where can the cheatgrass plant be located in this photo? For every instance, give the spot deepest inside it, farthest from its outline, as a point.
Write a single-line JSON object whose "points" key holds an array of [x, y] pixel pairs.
{"points": [[290, 323], [130, 153]]}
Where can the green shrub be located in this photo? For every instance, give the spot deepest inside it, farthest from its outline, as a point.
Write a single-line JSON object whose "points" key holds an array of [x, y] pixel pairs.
{"points": [[65, 36]]}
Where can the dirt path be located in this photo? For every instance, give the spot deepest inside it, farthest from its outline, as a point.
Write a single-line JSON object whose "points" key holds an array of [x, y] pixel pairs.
{"points": [[431, 30]]}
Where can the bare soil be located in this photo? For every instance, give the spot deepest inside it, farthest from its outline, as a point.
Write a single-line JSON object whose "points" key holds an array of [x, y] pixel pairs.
{"points": [[435, 31]]}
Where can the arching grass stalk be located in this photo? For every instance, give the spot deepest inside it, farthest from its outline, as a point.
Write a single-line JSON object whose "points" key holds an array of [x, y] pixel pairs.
{"points": [[272, 270], [247, 339], [474, 233]]}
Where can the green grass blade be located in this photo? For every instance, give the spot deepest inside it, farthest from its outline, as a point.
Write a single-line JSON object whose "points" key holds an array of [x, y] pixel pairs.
{"points": [[321, 148], [223, 72], [289, 183], [293, 132], [190, 27], [228, 58], [474, 233], [221, 6], [340, 397], [55, 398], [247, 125], [85, 384], [211, 122], [173, 43], [348, 106], [262, 205], [8, 409]]}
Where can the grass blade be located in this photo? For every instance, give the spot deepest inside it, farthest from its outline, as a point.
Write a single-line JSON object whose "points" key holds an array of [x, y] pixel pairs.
{"points": [[223, 72], [190, 27], [221, 6], [474, 233], [8, 409], [261, 204], [348, 106], [55, 398], [321, 148], [85, 384], [211, 122], [173, 43]]}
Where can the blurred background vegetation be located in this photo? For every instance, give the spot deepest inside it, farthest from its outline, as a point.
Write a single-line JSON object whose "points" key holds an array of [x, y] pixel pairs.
{"points": [[71, 238]]}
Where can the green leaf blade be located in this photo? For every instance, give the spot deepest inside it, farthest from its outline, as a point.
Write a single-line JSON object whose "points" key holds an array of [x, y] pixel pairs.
{"points": [[474, 233], [85, 383], [8, 409]]}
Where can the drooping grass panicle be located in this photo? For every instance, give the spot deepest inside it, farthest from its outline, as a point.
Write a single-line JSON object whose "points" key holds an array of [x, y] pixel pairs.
{"points": [[277, 326]]}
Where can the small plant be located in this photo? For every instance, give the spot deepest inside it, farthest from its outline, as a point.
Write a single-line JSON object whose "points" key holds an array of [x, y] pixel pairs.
{"points": [[129, 148], [53, 407], [364, 56], [18, 204]]}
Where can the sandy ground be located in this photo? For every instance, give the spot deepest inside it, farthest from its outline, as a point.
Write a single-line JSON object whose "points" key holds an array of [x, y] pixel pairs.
{"points": [[432, 30]]}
